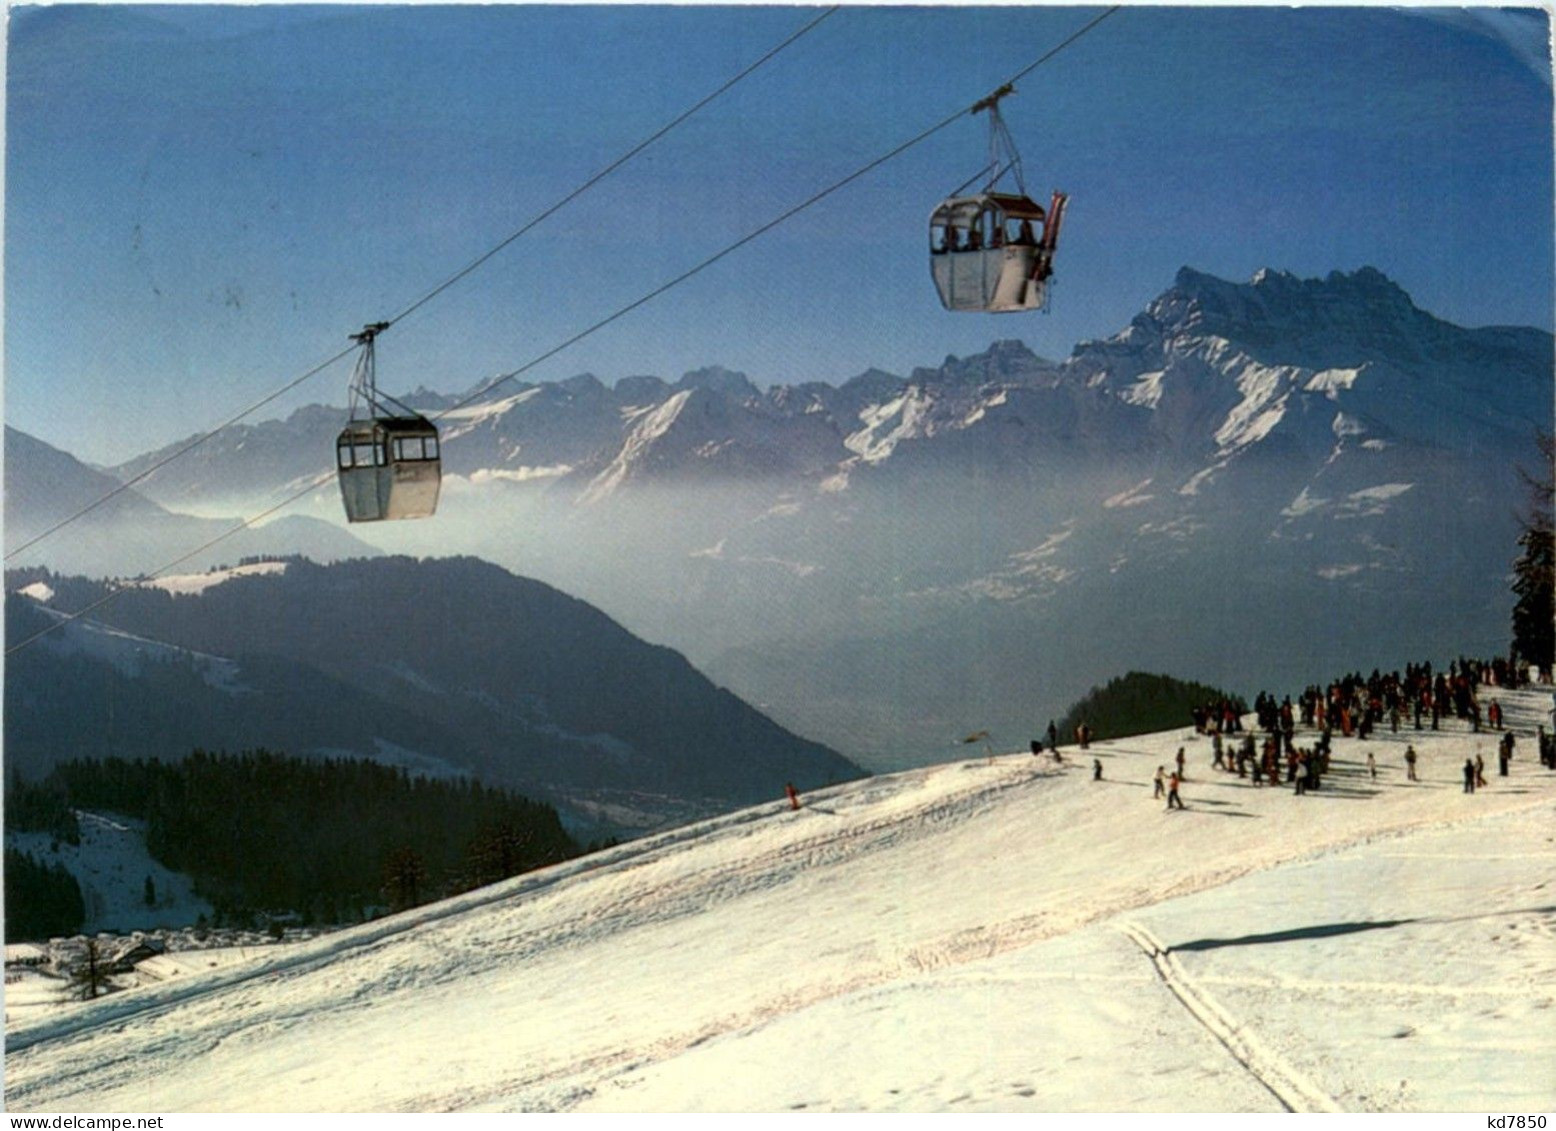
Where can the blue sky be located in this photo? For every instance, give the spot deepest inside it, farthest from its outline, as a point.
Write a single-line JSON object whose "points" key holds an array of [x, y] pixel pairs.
{"points": [[201, 202]]}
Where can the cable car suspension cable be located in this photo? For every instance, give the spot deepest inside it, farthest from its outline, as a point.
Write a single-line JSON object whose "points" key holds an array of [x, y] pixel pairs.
{"points": [[607, 171], [708, 262], [189, 447], [160, 570], [794, 211], [201, 438]]}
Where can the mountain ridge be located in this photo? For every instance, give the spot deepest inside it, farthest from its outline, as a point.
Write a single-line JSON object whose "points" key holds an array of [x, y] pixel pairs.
{"points": [[587, 438], [1239, 454], [457, 663]]}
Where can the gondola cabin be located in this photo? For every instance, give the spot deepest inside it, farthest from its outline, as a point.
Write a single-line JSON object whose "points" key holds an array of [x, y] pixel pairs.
{"points": [[389, 467], [993, 251]]}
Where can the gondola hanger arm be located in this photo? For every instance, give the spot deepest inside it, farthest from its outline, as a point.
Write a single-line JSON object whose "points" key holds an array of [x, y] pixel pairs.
{"points": [[991, 101]]}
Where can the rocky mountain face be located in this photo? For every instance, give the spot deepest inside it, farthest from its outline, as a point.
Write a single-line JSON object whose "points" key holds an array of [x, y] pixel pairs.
{"points": [[445, 667], [1251, 484]]}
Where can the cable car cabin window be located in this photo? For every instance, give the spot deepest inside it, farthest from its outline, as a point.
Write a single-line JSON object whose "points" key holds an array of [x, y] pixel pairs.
{"points": [[415, 448], [1020, 233], [366, 455], [343, 456], [991, 229]]}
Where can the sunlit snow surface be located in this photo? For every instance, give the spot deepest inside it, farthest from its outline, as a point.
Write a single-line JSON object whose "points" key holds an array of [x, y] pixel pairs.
{"points": [[1005, 935], [186, 583]]}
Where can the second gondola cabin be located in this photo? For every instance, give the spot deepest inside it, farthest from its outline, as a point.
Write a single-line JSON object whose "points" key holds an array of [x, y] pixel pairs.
{"points": [[387, 458], [389, 468]]}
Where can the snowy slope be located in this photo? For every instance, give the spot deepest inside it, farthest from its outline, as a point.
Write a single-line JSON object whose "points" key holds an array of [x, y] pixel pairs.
{"points": [[112, 865], [1000, 934]]}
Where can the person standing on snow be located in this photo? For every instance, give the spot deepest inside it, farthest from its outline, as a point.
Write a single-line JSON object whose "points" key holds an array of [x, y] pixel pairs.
{"points": [[1410, 764], [1173, 800], [1179, 760], [1096, 770], [1480, 770], [793, 794], [1161, 781], [1469, 776], [1372, 766]]}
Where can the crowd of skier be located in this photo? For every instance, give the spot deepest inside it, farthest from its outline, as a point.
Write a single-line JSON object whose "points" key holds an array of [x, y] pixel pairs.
{"points": [[1352, 706]]}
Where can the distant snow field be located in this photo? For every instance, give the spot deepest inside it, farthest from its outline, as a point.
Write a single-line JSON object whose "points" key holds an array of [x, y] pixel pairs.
{"points": [[999, 934]]}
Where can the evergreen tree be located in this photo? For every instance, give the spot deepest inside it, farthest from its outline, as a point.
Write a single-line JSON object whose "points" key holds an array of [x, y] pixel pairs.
{"points": [[41, 808], [41, 900], [260, 833], [1141, 703], [405, 877], [1534, 573]]}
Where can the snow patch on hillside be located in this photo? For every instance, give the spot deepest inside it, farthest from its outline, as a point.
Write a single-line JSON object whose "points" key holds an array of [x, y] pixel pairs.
{"points": [[1132, 497], [1332, 381], [1265, 391], [1346, 424], [185, 584], [650, 427], [982, 409], [1146, 391], [111, 864], [457, 422], [1201, 478], [1370, 501], [129, 654], [1305, 503], [887, 425], [38, 591]]}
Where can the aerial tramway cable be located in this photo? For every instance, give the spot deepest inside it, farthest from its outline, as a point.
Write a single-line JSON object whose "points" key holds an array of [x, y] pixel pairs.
{"points": [[328, 476], [470, 267], [798, 208]]}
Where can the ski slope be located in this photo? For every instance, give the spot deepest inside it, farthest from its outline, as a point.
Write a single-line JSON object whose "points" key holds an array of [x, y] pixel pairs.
{"points": [[1002, 934]]}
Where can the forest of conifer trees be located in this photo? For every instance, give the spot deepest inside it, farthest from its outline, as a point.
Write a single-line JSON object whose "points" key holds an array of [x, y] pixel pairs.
{"points": [[328, 841]]}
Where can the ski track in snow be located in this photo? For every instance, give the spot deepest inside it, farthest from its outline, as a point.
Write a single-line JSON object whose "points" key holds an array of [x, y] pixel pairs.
{"points": [[597, 982], [1294, 1092]]}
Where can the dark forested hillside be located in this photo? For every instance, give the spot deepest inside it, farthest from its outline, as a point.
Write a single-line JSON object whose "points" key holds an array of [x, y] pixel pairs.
{"points": [[1141, 703], [451, 662], [41, 900], [331, 840]]}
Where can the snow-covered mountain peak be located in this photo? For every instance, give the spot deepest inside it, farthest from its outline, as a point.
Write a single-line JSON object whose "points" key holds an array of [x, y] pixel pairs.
{"points": [[1007, 362], [1337, 320]]}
